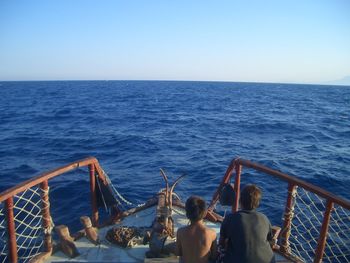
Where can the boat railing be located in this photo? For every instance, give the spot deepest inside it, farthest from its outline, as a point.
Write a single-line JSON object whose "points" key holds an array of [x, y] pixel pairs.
{"points": [[25, 219], [315, 224]]}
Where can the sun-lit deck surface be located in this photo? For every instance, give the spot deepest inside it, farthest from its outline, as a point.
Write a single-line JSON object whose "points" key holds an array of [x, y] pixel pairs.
{"points": [[108, 252]]}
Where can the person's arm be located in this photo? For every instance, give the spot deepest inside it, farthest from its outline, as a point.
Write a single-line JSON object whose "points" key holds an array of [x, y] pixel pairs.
{"points": [[272, 236], [222, 241], [223, 235], [178, 244], [214, 249], [269, 233]]}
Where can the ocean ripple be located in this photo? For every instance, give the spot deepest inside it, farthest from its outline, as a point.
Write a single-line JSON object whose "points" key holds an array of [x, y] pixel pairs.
{"points": [[192, 128]]}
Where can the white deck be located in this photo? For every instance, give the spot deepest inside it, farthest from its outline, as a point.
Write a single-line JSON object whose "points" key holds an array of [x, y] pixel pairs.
{"points": [[107, 252]]}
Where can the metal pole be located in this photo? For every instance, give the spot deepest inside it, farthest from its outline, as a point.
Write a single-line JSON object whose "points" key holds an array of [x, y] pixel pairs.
{"points": [[288, 216], [323, 234], [12, 243], [93, 195], [46, 215], [237, 186], [224, 181]]}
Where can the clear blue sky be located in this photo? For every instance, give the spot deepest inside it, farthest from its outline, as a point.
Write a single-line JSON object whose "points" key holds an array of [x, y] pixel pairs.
{"points": [[271, 41]]}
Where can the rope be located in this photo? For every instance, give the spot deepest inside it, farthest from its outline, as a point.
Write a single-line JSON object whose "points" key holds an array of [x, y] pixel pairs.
{"points": [[103, 198], [179, 212], [307, 213], [46, 205], [3, 235], [119, 198], [115, 190], [28, 211]]}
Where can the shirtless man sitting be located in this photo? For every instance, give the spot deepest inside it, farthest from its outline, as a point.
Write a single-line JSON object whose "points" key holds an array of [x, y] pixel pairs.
{"points": [[196, 243]]}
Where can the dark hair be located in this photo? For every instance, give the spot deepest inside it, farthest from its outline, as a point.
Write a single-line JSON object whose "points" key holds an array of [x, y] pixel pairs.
{"points": [[250, 197], [195, 208]]}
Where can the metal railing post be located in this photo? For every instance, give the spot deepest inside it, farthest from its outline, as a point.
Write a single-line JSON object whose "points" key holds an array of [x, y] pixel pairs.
{"points": [[288, 216], [323, 234], [237, 187], [224, 181], [12, 243], [93, 195], [46, 215]]}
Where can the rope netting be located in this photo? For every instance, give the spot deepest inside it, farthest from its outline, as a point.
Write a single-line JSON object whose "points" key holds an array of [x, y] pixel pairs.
{"points": [[27, 209], [3, 235], [119, 198], [307, 215], [338, 241]]}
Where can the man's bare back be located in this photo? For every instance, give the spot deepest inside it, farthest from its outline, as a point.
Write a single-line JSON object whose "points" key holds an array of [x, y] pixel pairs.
{"points": [[196, 243]]}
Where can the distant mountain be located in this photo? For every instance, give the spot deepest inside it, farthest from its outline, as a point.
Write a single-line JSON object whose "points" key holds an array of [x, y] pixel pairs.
{"points": [[344, 81]]}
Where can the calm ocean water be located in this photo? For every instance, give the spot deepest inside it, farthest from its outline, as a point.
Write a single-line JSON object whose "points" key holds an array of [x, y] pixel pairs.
{"points": [[136, 127]]}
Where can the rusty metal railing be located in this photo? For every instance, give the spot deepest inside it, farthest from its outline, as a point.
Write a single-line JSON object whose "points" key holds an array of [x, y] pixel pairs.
{"points": [[41, 183], [309, 207], [332, 213]]}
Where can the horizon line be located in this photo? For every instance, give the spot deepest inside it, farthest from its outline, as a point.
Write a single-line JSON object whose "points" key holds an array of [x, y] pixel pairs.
{"points": [[169, 80]]}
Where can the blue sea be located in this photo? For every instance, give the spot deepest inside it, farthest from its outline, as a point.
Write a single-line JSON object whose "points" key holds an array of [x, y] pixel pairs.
{"points": [[134, 128]]}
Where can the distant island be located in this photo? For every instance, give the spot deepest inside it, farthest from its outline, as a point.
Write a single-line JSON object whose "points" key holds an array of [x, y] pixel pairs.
{"points": [[343, 81]]}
